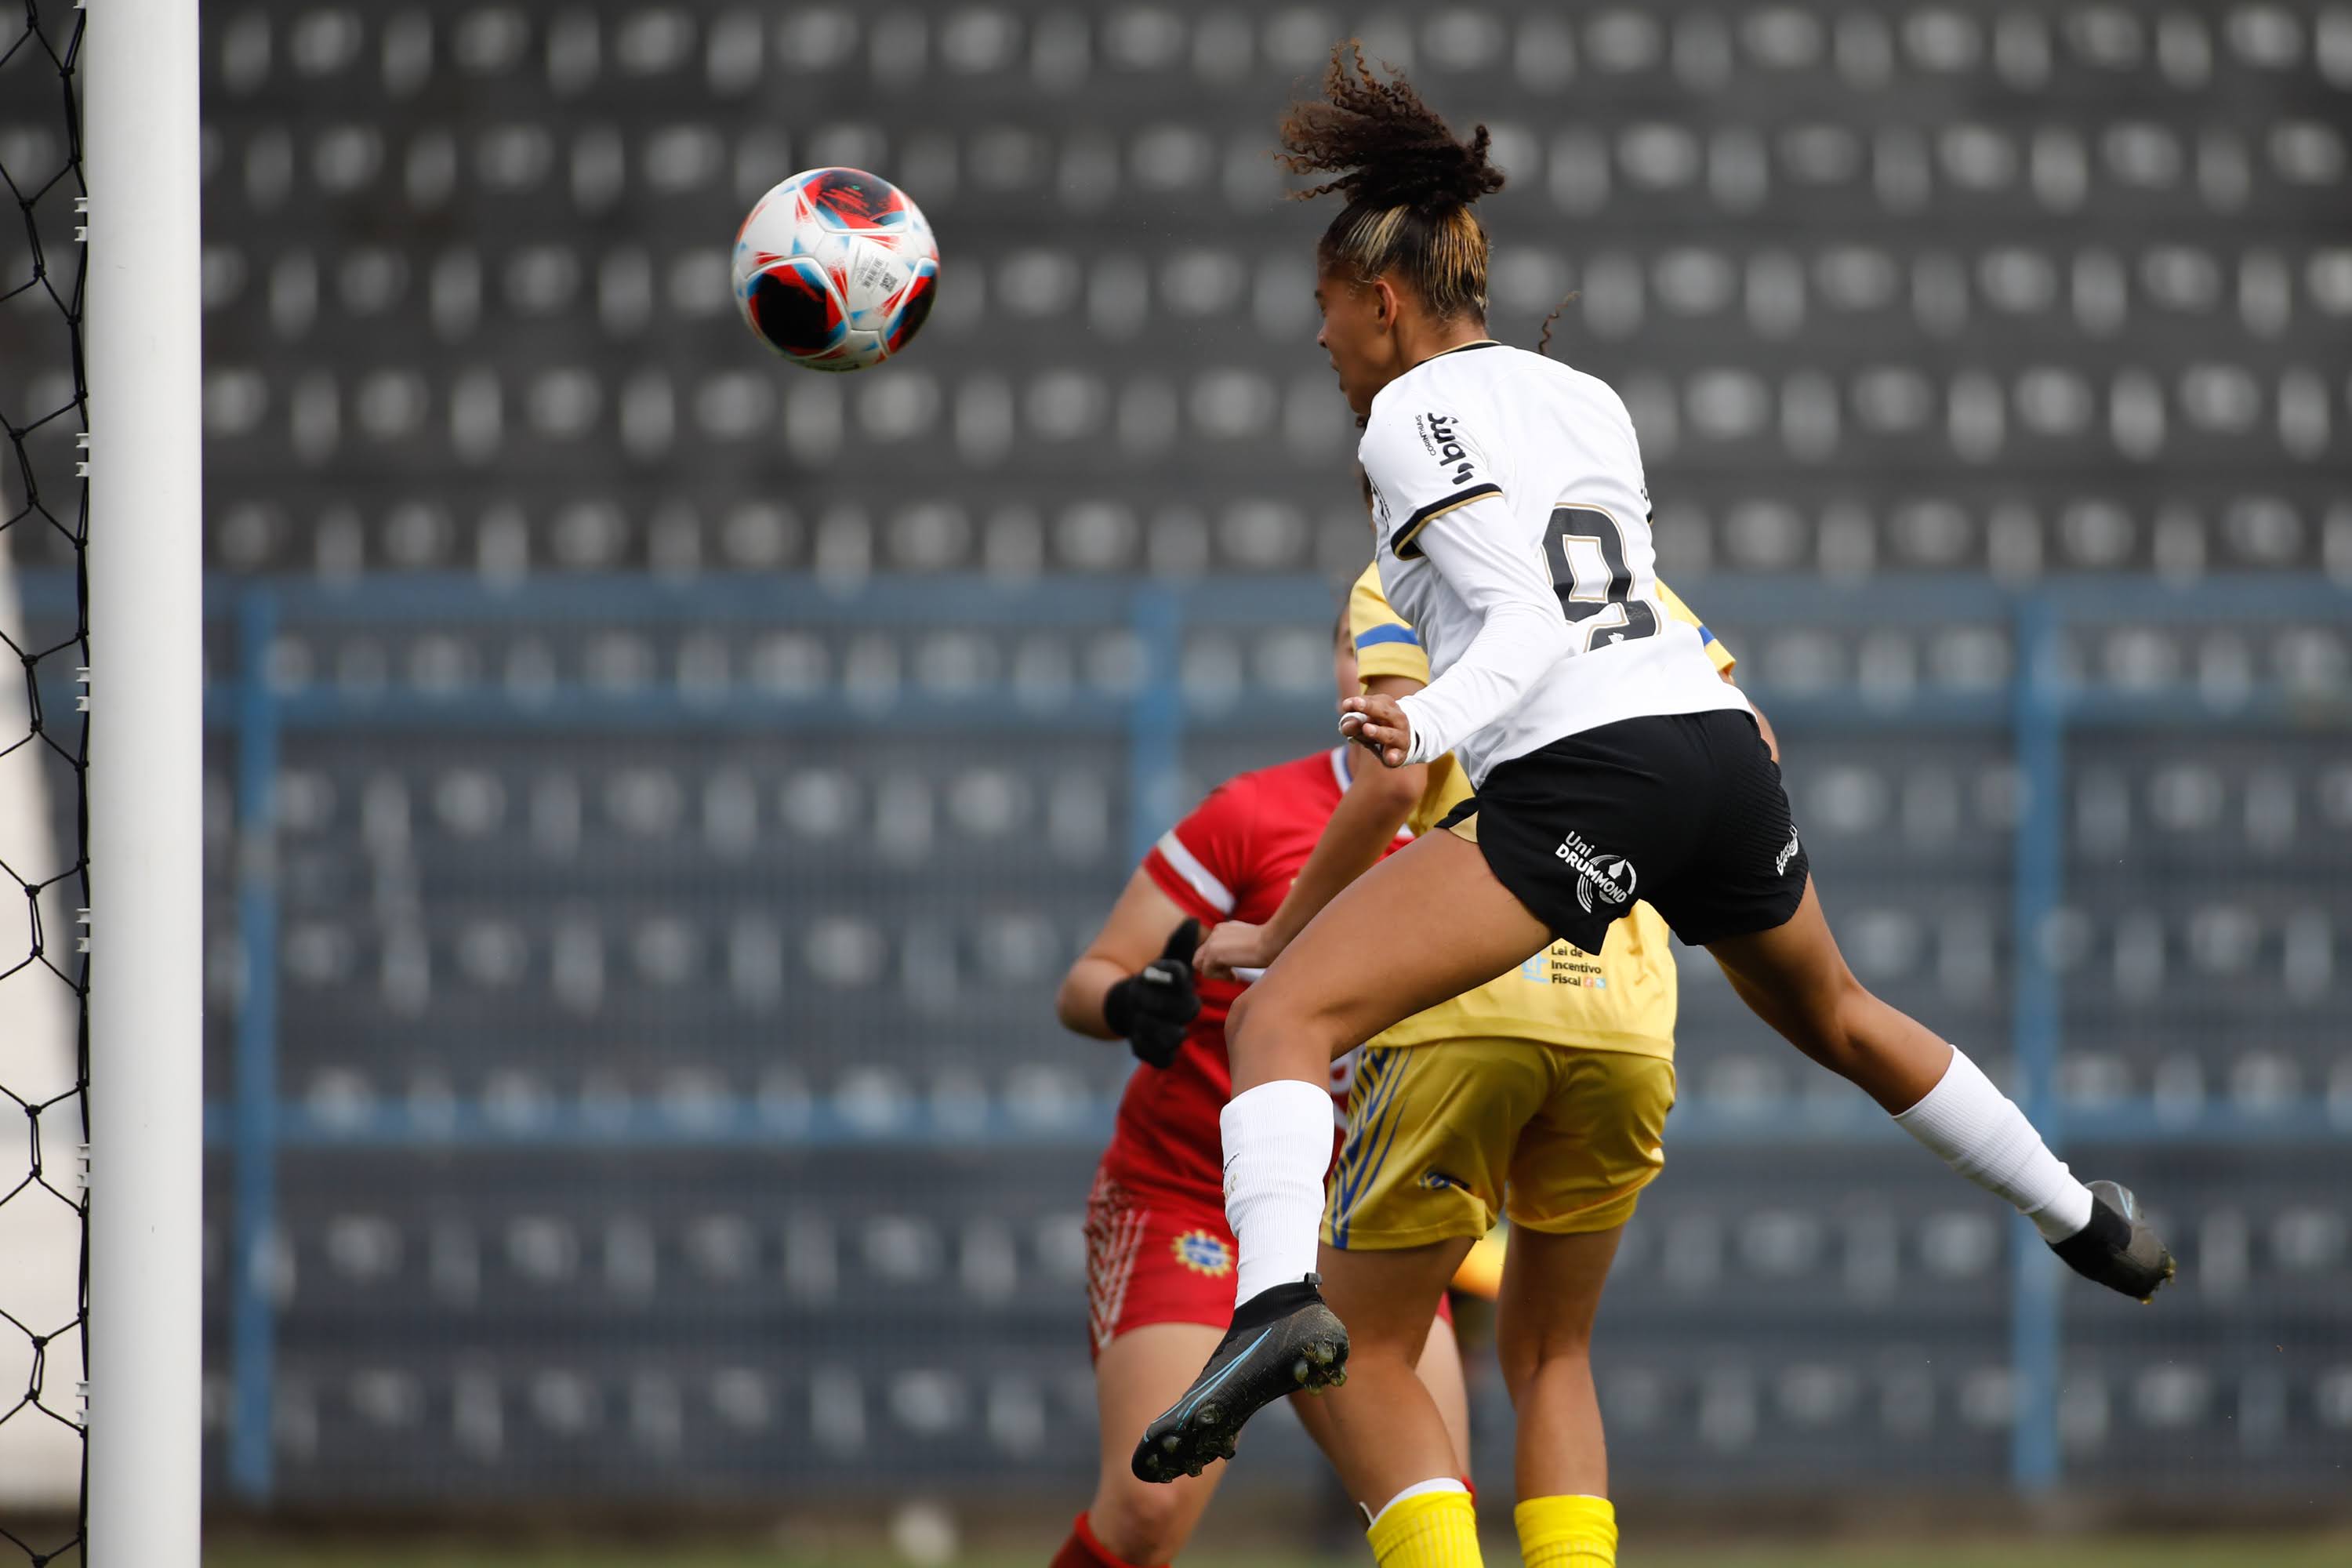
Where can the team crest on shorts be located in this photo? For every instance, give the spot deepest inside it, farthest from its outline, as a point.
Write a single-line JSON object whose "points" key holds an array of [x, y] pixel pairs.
{"points": [[1204, 1254]]}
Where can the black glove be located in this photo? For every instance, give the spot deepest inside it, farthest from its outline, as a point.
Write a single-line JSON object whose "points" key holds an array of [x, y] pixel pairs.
{"points": [[1152, 1006]]}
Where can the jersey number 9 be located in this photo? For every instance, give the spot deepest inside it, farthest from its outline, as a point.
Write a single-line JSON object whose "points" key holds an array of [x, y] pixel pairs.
{"points": [[1586, 550]]}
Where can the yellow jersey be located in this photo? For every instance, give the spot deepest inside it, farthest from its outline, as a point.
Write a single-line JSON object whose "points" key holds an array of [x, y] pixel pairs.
{"points": [[1619, 999]]}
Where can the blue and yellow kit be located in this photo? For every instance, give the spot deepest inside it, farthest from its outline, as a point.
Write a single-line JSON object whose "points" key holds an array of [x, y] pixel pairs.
{"points": [[1442, 1143]]}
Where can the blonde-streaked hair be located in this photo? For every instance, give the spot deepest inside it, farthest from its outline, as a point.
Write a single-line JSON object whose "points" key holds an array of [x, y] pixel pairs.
{"points": [[1410, 183]]}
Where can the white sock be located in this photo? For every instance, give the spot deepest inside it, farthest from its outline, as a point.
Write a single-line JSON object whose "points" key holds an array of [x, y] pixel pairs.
{"points": [[1277, 1145], [1440, 1484], [1981, 1133]]}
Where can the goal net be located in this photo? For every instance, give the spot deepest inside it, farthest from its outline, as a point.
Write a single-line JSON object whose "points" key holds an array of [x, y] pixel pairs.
{"points": [[43, 870]]}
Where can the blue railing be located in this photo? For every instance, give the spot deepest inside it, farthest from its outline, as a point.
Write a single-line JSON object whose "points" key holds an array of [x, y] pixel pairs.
{"points": [[2037, 708]]}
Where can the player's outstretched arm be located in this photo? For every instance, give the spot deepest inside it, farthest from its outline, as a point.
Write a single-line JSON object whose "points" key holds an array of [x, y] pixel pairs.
{"points": [[1360, 830]]}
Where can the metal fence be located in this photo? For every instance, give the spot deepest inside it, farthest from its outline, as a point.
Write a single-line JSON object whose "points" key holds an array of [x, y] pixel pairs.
{"points": [[633, 1072]]}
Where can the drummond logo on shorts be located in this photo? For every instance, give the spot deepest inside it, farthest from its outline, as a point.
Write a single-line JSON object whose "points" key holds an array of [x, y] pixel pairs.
{"points": [[1610, 875], [1787, 853]]}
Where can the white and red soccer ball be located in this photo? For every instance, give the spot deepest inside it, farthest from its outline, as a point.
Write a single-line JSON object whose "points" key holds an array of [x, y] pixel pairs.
{"points": [[836, 269]]}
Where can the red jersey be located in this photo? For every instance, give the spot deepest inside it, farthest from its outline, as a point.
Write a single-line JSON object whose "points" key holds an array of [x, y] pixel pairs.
{"points": [[1232, 859]]}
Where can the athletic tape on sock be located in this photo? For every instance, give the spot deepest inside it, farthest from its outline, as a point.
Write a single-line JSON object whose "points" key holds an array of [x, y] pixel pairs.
{"points": [[1428, 1529], [1420, 1488]]}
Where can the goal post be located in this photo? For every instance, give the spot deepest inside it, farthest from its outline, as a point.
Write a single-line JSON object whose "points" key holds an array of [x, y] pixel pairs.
{"points": [[140, 352]]}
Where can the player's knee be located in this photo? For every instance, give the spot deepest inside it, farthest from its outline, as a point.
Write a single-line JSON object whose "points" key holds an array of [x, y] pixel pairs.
{"points": [[1266, 1018], [1828, 1024], [1842, 1025], [1528, 1358], [1518, 1360], [1237, 1016], [1142, 1524], [1390, 1348], [1256, 1023], [1856, 1008]]}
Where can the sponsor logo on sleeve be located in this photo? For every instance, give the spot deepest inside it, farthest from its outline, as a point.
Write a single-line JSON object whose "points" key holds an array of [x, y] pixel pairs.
{"points": [[1440, 435], [1787, 853]]}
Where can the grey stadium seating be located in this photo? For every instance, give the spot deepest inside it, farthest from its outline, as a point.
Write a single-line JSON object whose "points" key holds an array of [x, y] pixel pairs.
{"points": [[595, 1021]]}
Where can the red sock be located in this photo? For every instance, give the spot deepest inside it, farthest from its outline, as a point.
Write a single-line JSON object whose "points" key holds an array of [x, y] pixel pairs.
{"points": [[1083, 1550]]}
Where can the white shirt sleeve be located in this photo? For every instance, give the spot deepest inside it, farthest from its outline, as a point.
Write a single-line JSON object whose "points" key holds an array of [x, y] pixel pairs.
{"points": [[1522, 636], [1439, 499], [1423, 463]]}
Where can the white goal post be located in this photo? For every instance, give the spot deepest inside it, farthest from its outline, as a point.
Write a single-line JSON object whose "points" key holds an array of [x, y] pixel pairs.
{"points": [[138, 71]]}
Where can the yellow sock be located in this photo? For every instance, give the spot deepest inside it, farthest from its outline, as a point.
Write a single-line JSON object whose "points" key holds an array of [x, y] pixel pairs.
{"points": [[1566, 1532], [1434, 1529]]}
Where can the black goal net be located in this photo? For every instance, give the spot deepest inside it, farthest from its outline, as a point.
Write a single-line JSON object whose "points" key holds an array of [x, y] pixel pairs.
{"points": [[44, 1055]]}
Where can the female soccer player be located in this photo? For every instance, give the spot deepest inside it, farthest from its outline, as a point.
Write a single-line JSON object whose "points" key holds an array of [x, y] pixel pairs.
{"points": [[1543, 1093], [1607, 758], [1160, 1256]]}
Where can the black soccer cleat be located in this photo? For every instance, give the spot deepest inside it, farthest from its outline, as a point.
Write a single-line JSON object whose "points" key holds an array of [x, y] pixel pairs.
{"points": [[2118, 1249], [1283, 1341]]}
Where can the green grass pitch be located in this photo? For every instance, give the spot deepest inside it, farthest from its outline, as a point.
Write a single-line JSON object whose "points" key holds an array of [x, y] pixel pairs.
{"points": [[2213, 1552]]}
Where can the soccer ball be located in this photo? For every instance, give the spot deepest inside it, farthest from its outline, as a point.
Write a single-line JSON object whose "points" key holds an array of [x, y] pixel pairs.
{"points": [[836, 269]]}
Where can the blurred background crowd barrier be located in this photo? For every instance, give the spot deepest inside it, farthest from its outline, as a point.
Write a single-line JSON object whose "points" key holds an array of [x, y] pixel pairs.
{"points": [[652, 792]]}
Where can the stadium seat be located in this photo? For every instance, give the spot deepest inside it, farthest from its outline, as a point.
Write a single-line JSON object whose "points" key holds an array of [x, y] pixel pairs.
{"points": [[2029, 295]]}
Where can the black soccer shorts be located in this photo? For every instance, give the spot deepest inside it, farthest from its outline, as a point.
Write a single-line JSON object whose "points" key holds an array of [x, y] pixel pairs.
{"points": [[1686, 810]]}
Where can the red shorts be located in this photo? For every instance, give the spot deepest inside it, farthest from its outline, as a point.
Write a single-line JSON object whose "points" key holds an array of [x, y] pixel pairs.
{"points": [[1154, 1256]]}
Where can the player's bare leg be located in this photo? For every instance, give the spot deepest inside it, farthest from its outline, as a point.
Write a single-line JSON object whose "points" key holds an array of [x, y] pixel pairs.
{"points": [[1795, 978], [1321, 998], [1449, 1387], [1324, 997], [1388, 1432], [1543, 1336], [1141, 1525], [1135, 1377], [1388, 1429], [1543, 1330]]}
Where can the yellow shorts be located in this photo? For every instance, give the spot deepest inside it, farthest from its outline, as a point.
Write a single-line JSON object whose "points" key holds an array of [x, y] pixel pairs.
{"points": [[1446, 1137]]}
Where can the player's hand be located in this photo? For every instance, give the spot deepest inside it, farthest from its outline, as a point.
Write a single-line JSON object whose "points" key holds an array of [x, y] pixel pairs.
{"points": [[1153, 1006], [1234, 944], [1377, 724]]}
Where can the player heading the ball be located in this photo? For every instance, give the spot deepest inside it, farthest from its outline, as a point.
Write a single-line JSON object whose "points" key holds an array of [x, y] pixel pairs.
{"points": [[1610, 762]]}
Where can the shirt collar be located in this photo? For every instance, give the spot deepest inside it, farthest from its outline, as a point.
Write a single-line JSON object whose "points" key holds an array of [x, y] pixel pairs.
{"points": [[1462, 348]]}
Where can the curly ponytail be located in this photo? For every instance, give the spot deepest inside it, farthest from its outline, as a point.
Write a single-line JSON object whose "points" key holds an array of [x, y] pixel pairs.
{"points": [[1409, 180]]}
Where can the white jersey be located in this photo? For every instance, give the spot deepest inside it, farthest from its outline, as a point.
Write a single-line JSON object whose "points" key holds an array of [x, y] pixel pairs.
{"points": [[1515, 537]]}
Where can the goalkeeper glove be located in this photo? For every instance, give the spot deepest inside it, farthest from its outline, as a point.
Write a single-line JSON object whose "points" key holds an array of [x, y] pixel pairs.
{"points": [[1152, 1006]]}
